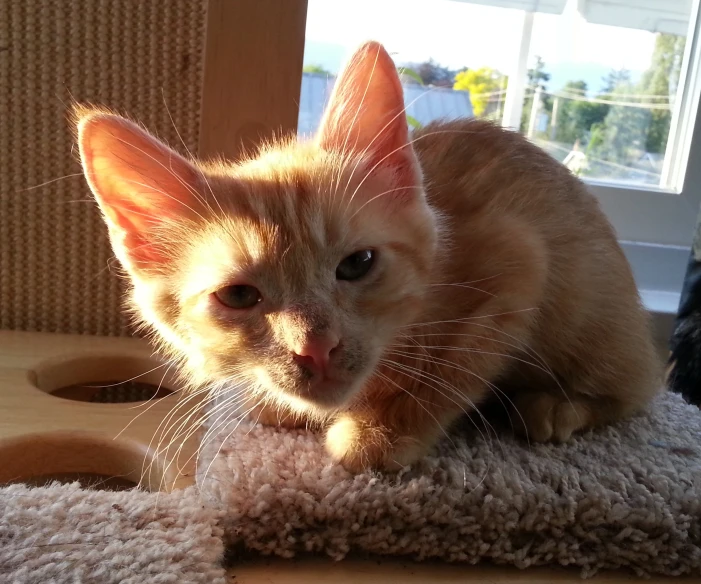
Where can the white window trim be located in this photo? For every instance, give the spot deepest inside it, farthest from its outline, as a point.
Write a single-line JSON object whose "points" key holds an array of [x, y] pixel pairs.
{"points": [[660, 216], [655, 225]]}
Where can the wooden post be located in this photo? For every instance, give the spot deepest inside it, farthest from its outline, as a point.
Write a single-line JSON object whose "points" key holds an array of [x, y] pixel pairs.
{"points": [[252, 74]]}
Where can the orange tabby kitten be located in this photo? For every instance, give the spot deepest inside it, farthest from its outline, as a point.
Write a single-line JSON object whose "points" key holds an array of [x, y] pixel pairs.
{"points": [[378, 284]]}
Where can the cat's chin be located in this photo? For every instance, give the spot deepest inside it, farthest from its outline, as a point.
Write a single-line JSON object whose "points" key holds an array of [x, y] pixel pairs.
{"points": [[323, 397], [329, 393]]}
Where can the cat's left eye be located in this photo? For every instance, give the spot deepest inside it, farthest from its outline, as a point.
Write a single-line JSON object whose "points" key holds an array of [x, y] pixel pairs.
{"points": [[239, 296], [356, 265]]}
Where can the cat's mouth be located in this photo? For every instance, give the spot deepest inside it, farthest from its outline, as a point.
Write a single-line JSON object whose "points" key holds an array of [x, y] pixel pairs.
{"points": [[328, 391], [324, 393]]}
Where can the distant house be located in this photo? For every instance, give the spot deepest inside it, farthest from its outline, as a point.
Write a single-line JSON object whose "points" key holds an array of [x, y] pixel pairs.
{"points": [[424, 104]]}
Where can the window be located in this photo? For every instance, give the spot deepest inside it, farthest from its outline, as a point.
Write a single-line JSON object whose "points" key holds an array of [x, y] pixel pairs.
{"points": [[609, 88], [599, 94]]}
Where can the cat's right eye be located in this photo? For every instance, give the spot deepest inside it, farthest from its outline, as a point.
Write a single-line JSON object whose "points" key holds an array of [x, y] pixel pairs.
{"points": [[239, 296]]}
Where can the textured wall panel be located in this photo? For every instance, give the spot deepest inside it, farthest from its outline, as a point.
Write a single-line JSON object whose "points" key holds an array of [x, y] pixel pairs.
{"points": [[57, 272]]}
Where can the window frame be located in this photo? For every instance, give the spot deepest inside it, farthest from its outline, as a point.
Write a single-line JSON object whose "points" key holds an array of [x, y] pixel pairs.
{"points": [[251, 90], [660, 216]]}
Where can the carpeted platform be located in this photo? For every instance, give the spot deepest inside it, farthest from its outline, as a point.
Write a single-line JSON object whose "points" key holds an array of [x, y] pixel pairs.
{"points": [[624, 496], [62, 534]]}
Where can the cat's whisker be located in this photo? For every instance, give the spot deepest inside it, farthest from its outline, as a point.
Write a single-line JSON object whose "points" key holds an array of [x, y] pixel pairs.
{"points": [[493, 388], [450, 364], [148, 404], [445, 362], [184, 419], [160, 449], [395, 150], [260, 413], [467, 287], [108, 268], [480, 352], [202, 174], [531, 353], [378, 134], [225, 407], [183, 425], [519, 347], [118, 383], [418, 401], [52, 181], [187, 187], [470, 282], [468, 319], [188, 433], [374, 198], [427, 375], [412, 372], [174, 460], [160, 192], [352, 124], [182, 434], [260, 403], [161, 429]]}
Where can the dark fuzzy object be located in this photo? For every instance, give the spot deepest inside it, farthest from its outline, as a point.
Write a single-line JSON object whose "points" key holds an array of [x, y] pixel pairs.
{"points": [[684, 373]]}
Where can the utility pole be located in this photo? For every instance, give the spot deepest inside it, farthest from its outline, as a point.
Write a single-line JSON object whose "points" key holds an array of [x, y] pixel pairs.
{"points": [[553, 120], [534, 111]]}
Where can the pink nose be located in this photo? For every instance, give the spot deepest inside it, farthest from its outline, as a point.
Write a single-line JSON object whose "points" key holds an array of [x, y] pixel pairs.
{"points": [[315, 353]]}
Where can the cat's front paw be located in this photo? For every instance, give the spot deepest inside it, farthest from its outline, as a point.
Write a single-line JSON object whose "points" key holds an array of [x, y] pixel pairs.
{"points": [[545, 417], [360, 445]]}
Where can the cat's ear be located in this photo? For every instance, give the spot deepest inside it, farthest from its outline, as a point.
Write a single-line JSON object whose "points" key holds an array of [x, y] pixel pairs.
{"points": [[139, 183], [366, 115]]}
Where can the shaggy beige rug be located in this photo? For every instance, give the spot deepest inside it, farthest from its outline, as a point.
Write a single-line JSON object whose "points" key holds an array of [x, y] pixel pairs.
{"points": [[624, 496], [62, 534]]}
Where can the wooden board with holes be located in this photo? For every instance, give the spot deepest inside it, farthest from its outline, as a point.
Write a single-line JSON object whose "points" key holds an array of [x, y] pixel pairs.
{"points": [[67, 411], [64, 414], [389, 570]]}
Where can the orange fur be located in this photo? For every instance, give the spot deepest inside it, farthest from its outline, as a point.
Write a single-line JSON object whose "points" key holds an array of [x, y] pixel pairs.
{"points": [[496, 273]]}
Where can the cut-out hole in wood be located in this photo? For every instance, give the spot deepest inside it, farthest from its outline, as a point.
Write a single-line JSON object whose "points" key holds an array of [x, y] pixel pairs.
{"points": [[37, 458], [112, 392], [105, 379], [87, 481]]}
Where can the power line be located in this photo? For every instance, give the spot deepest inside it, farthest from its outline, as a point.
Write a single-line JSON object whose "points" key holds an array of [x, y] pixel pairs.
{"points": [[653, 106], [530, 91], [635, 95]]}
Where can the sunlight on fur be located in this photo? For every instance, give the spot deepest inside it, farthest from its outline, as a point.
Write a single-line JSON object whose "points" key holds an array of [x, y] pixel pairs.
{"points": [[374, 284]]}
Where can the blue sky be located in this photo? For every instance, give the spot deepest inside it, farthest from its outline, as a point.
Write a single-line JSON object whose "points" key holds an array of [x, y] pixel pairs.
{"points": [[458, 34]]}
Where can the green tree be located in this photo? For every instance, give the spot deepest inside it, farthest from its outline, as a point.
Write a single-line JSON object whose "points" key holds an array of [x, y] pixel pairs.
{"points": [[567, 129], [480, 83], [621, 137], [315, 69], [627, 132], [537, 76], [662, 78], [575, 118], [613, 80], [600, 132]]}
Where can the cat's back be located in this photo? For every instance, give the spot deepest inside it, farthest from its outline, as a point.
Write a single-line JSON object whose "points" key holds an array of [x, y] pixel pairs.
{"points": [[472, 165]]}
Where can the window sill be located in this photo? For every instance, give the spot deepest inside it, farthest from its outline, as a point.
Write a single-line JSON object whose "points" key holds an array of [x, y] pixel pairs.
{"points": [[659, 272]]}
